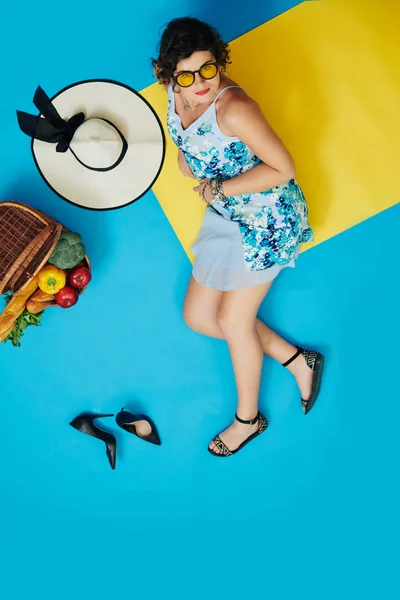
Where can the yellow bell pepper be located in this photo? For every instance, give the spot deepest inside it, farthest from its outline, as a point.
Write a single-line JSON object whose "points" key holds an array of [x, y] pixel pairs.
{"points": [[51, 279]]}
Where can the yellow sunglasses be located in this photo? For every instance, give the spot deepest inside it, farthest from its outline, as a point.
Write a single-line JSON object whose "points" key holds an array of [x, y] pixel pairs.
{"points": [[187, 78]]}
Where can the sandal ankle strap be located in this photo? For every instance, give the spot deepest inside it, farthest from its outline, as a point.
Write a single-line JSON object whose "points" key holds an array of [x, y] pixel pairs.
{"points": [[295, 355], [252, 422]]}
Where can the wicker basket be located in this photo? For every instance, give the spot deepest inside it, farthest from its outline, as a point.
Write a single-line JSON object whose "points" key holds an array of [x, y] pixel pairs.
{"points": [[27, 240]]}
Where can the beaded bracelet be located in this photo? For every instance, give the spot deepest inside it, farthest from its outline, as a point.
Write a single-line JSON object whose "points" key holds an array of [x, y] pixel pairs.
{"points": [[203, 190], [216, 186]]}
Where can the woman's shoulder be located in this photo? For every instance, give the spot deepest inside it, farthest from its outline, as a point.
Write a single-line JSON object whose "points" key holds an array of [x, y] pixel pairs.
{"points": [[235, 103], [235, 96]]}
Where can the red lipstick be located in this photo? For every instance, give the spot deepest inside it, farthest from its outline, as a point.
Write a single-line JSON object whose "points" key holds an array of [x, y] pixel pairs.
{"points": [[203, 92]]}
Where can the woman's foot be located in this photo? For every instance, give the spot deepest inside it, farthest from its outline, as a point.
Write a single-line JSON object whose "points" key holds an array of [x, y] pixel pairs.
{"points": [[235, 435], [307, 367], [303, 375]]}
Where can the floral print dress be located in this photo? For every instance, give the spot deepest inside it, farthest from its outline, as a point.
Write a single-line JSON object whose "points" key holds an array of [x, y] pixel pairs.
{"points": [[246, 239]]}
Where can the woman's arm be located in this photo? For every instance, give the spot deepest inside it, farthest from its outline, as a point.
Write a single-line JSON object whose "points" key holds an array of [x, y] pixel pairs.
{"points": [[242, 117]]}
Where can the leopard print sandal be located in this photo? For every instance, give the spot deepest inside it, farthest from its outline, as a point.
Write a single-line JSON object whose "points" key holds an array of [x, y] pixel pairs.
{"points": [[223, 448], [315, 361]]}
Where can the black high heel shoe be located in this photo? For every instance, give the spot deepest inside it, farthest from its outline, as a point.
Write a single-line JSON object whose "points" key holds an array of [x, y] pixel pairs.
{"points": [[315, 361], [84, 424], [139, 425]]}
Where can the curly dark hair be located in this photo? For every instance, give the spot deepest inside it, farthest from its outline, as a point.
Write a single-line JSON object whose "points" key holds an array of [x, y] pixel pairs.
{"points": [[180, 39]]}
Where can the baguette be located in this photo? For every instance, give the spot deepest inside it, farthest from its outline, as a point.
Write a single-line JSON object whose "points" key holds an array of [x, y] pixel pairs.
{"points": [[15, 308], [7, 332], [39, 301]]}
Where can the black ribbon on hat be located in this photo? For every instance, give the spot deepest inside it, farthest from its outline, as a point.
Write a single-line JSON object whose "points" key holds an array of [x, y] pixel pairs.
{"points": [[51, 127], [55, 130]]}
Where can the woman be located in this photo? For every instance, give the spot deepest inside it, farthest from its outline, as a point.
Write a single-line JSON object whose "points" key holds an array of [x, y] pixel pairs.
{"points": [[255, 221]]}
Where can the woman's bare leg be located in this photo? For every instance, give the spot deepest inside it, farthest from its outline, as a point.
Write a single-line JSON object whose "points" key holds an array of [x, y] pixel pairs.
{"points": [[201, 310]]}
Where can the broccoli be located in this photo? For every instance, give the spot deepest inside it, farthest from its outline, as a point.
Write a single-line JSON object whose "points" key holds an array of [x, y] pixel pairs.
{"points": [[69, 251]]}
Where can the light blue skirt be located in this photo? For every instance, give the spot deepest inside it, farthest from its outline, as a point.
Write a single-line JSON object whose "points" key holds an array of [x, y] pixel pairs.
{"points": [[220, 262]]}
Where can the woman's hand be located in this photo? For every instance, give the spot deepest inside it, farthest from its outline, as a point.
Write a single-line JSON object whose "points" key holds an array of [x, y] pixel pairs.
{"points": [[204, 191], [184, 167]]}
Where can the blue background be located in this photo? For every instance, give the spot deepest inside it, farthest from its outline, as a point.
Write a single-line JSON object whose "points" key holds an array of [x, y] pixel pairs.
{"points": [[310, 510]]}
